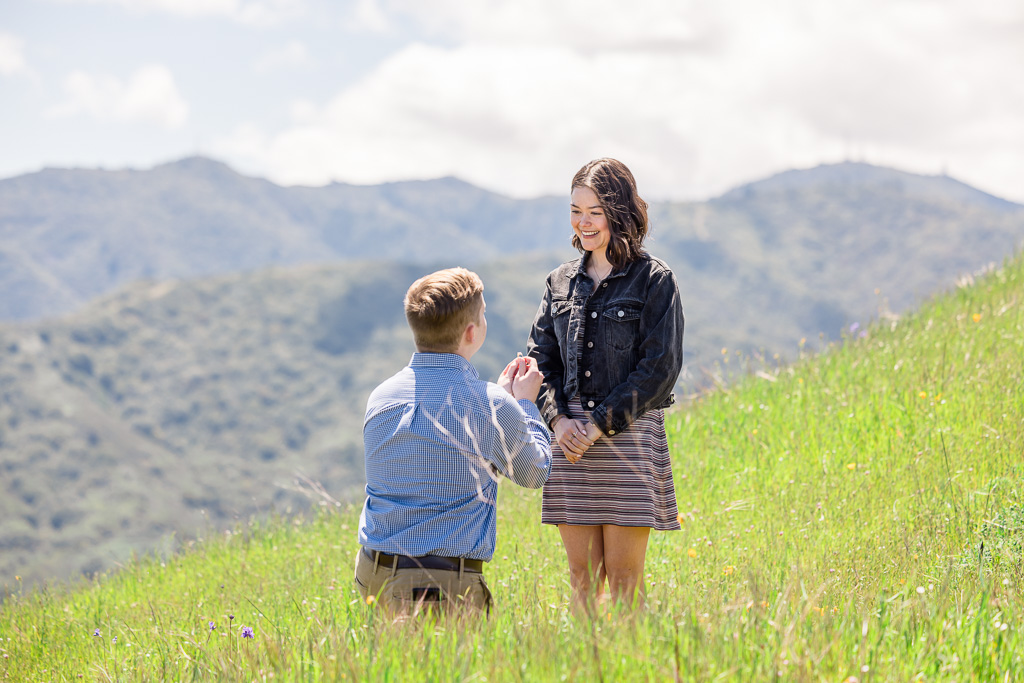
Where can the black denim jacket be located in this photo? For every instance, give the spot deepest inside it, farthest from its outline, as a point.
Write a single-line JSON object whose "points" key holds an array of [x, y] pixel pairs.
{"points": [[620, 348]]}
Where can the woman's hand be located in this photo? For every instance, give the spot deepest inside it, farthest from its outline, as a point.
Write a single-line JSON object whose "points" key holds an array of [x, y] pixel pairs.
{"points": [[572, 437]]}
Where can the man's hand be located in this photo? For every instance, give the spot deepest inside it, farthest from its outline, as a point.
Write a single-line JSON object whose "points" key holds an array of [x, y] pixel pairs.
{"points": [[522, 379]]}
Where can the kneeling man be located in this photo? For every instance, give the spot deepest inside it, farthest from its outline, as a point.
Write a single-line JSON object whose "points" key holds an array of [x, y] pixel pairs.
{"points": [[437, 439]]}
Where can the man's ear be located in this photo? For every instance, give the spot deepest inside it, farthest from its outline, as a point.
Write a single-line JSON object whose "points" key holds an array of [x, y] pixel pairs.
{"points": [[469, 334]]}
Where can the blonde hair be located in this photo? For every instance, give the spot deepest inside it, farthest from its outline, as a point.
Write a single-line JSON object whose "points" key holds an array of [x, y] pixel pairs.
{"points": [[440, 306]]}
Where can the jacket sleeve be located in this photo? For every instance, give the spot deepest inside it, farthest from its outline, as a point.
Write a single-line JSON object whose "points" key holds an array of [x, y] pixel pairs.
{"points": [[543, 346], [661, 359]]}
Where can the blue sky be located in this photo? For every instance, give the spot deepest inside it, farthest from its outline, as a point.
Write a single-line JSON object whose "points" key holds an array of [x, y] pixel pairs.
{"points": [[696, 97]]}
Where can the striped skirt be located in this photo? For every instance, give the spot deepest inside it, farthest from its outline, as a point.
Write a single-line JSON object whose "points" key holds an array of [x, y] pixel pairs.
{"points": [[624, 480]]}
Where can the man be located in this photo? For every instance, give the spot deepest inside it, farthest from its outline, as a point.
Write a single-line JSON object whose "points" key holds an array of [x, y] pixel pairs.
{"points": [[436, 439]]}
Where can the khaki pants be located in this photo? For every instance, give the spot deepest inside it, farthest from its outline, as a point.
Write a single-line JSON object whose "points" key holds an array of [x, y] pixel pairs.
{"points": [[410, 591]]}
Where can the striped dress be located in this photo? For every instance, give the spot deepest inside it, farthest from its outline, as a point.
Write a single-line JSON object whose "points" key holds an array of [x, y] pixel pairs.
{"points": [[623, 480]]}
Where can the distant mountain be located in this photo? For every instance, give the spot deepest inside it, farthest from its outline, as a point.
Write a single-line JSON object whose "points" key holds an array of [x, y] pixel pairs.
{"points": [[176, 402], [67, 236]]}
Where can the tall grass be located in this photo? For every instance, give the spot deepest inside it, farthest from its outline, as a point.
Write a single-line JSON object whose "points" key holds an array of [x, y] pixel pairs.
{"points": [[855, 515]]}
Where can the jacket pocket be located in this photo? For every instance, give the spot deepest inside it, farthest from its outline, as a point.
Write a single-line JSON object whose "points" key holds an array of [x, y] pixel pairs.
{"points": [[621, 320], [560, 310]]}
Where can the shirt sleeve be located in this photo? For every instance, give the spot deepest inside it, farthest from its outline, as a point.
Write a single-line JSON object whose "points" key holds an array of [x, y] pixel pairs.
{"points": [[661, 359], [522, 448]]}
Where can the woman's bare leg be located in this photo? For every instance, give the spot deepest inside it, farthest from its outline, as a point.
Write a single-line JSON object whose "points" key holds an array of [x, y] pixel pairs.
{"points": [[584, 547], [625, 550]]}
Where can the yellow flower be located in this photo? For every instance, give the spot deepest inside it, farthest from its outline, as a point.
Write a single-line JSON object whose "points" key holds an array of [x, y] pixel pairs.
{"points": [[755, 432], [976, 317], [852, 466], [724, 351], [923, 394], [682, 520], [370, 599], [799, 380], [728, 569], [764, 604], [692, 552]]}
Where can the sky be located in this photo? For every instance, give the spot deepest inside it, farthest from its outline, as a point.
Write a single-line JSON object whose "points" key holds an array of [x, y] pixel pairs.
{"points": [[696, 97]]}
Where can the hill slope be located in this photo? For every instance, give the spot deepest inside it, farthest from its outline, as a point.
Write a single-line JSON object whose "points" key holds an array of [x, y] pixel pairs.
{"points": [[857, 514], [220, 392]]}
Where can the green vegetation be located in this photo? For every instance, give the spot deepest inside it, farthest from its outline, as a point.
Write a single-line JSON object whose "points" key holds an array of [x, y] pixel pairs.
{"points": [[859, 514], [222, 389]]}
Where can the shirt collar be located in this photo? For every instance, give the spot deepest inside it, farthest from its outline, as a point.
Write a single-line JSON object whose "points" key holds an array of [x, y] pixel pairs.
{"points": [[444, 361]]}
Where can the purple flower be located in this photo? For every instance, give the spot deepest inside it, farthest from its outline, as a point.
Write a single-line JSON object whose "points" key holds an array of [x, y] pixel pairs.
{"points": [[854, 327], [213, 626], [115, 640], [247, 632], [96, 633]]}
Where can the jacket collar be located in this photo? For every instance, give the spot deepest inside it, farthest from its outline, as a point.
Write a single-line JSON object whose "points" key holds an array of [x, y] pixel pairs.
{"points": [[581, 269]]}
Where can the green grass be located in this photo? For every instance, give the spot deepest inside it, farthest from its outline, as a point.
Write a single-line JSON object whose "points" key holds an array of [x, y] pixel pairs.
{"points": [[857, 514]]}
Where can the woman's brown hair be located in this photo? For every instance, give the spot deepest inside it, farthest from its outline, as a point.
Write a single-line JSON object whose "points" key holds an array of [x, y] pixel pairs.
{"points": [[615, 188]]}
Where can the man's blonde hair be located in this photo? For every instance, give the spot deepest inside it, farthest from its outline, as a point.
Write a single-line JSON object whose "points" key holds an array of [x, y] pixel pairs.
{"points": [[441, 305]]}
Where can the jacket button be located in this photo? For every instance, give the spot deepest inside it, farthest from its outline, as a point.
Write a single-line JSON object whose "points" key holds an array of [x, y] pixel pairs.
{"points": [[622, 313], [590, 404], [611, 432], [590, 345], [587, 373], [594, 314], [604, 284]]}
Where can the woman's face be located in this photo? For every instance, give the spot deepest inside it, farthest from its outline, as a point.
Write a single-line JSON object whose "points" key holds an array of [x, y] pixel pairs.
{"points": [[589, 221]]}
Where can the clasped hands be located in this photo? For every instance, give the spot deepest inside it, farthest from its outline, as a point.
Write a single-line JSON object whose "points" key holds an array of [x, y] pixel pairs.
{"points": [[575, 437], [522, 379]]}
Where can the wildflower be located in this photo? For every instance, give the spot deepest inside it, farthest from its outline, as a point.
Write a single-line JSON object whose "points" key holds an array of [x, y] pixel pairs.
{"points": [[728, 569], [852, 466], [976, 317], [764, 604], [96, 633], [920, 590], [692, 552], [682, 520], [923, 394], [854, 327], [17, 578], [115, 640], [370, 599], [724, 351], [213, 626], [247, 632], [231, 617]]}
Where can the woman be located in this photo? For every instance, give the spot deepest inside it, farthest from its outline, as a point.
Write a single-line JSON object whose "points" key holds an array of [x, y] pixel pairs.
{"points": [[608, 338]]}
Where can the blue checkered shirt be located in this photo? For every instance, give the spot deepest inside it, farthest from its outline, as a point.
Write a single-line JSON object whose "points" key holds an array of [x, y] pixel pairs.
{"points": [[437, 439]]}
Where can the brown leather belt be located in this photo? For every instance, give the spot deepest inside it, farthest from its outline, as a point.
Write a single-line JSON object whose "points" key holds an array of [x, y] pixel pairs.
{"points": [[425, 562]]}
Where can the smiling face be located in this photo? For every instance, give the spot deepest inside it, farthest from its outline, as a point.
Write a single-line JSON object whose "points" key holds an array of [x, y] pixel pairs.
{"points": [[589, 221]]}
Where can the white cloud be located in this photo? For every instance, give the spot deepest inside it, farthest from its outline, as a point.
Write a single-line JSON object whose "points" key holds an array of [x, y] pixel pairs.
{"points": [[149, 95], [12, 55], [696, 97], [246, 11], [290, 56]]}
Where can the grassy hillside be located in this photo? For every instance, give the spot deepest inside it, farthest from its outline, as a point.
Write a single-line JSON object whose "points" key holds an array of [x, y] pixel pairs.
{"points": [[856, 515]]}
